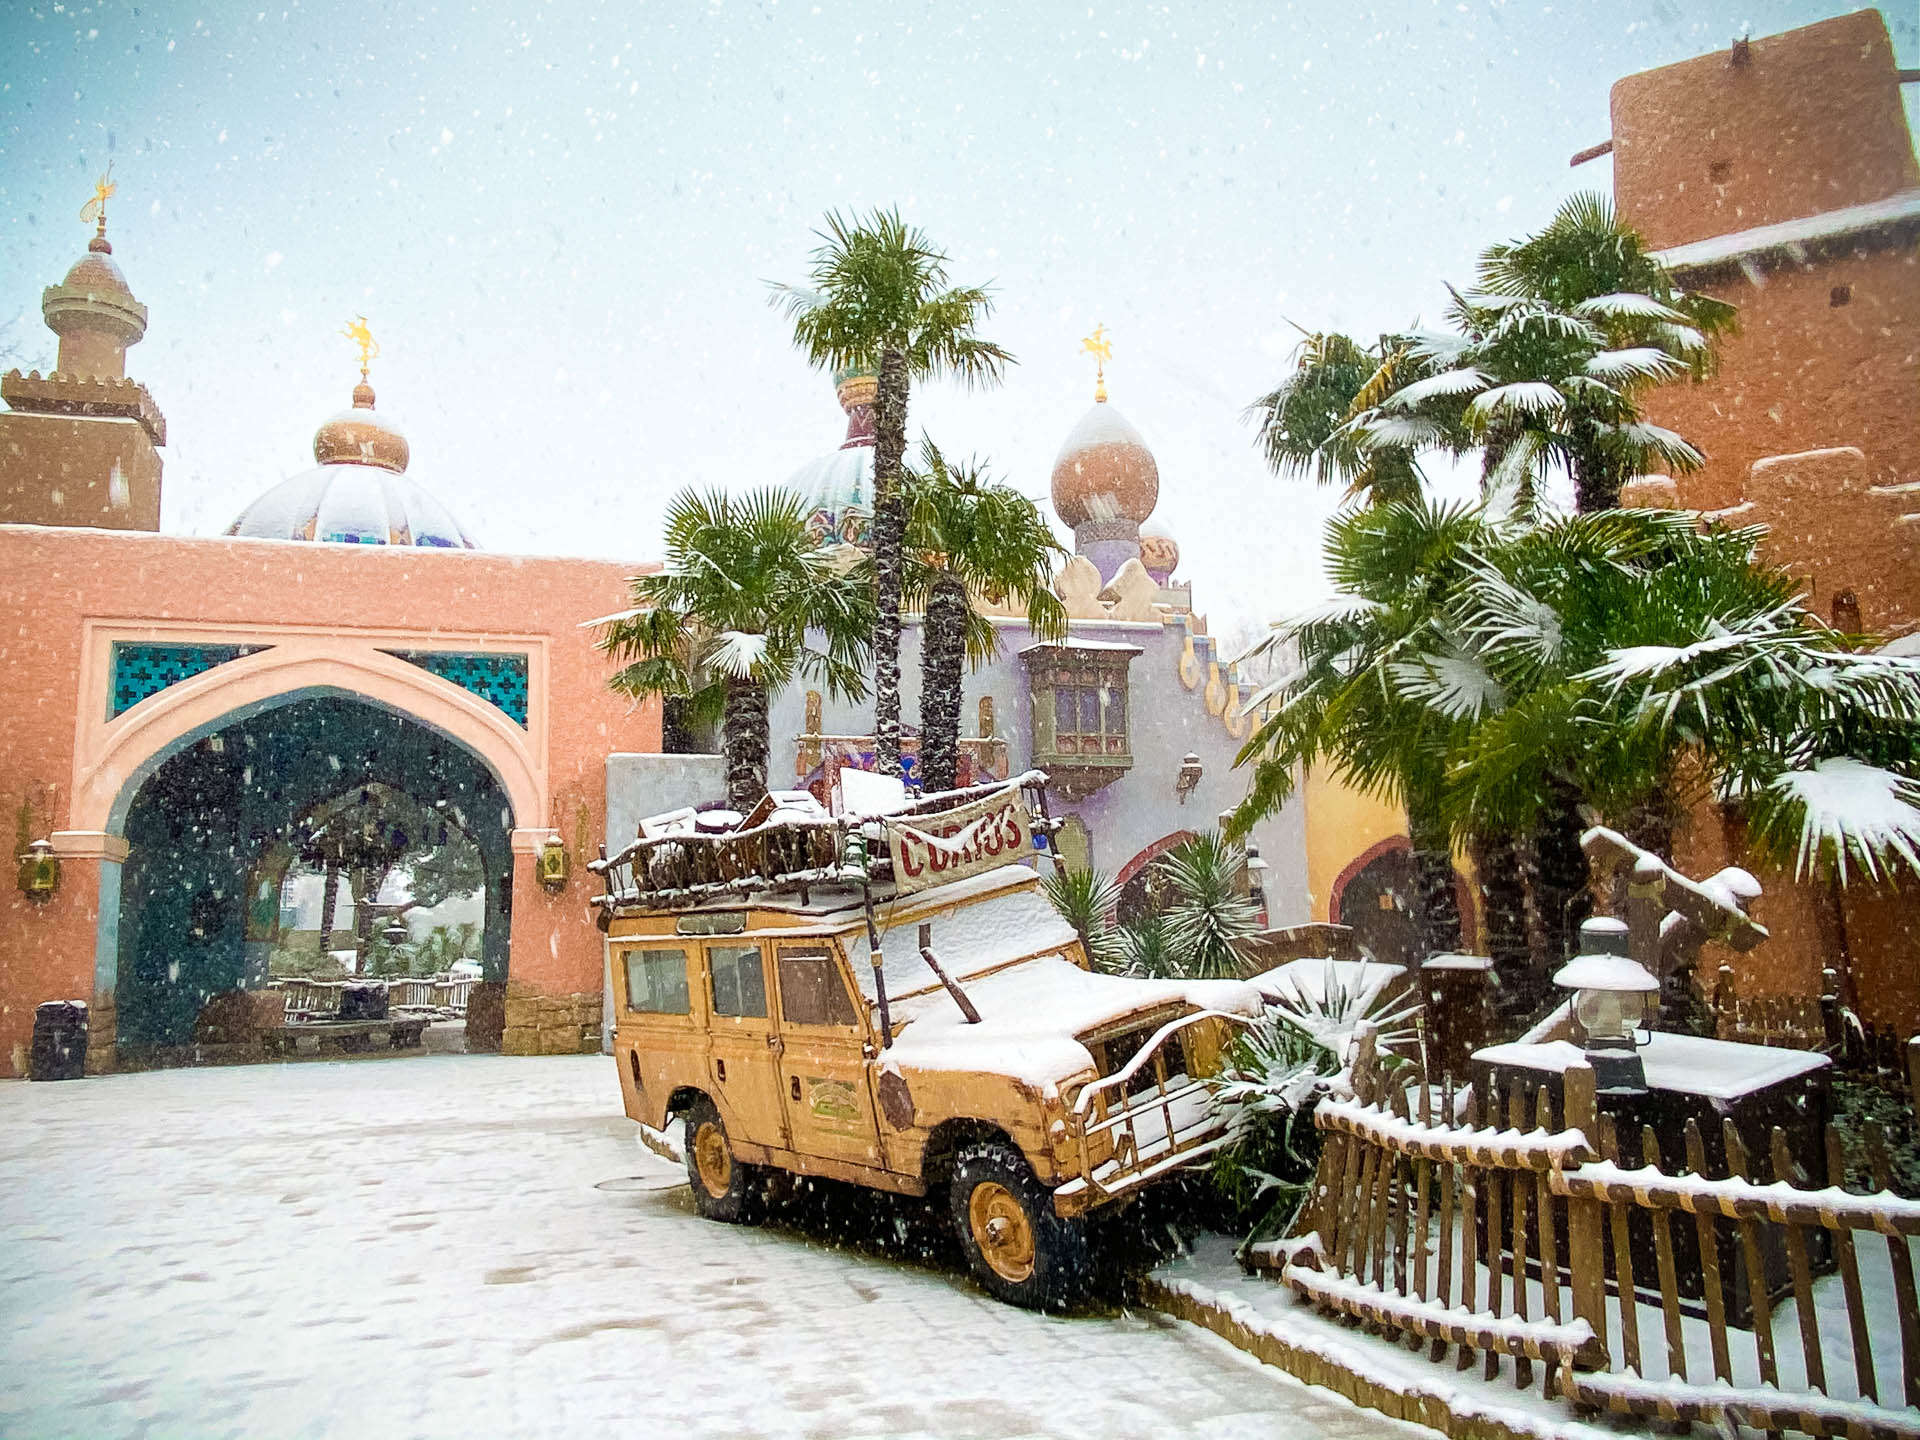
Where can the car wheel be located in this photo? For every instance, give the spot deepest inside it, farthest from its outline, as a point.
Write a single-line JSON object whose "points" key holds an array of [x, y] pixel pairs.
{"points": [[723, 1188], [1022, 1251]]}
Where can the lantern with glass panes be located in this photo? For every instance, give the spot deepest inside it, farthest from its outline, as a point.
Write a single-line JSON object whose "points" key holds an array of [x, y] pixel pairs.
{"points": [[1611, 991]]}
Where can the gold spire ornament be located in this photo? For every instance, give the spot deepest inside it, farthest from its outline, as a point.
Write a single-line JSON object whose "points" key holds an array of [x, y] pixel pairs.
{"points": [[358, 332], [1101, 348], [94, 212]]}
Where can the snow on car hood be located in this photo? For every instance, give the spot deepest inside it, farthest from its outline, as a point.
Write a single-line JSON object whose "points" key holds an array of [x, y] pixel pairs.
{"points": [[1030, 1013]]}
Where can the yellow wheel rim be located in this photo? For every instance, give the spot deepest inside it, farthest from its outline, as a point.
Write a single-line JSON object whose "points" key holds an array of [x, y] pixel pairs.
{"points": [[1002, 1231], [711, 1160]]}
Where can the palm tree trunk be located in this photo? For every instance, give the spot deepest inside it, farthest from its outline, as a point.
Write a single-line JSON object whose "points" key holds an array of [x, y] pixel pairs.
{"points": [[1433, 875], [943, 644], [889, 531], [1503, 901], [1560, 880], [330, 907], [744, 740]]}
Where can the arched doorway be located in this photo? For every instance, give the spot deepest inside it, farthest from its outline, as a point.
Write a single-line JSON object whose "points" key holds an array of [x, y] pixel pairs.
{"points": [[1378, 897], [215, 824]]}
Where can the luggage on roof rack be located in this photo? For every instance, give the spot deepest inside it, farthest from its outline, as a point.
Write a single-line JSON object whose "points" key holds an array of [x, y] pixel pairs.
{"points": [[785, 846]]}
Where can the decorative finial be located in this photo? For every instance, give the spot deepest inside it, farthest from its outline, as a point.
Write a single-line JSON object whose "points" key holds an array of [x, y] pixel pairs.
{"points": [[94, 212], [1101, 348], [358, 332]]}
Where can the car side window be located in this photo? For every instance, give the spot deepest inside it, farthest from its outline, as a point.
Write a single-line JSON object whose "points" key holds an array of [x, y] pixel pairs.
{"points": [[657, 982], [739, 980], [811, 990]]}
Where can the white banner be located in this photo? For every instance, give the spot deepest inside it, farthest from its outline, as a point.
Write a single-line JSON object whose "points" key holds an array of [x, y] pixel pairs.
{"points": [[934, 849]]}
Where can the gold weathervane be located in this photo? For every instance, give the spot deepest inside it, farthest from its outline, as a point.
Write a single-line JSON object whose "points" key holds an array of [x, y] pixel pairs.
{"points": [[1101, 348], [94, 212], [358, 332]]}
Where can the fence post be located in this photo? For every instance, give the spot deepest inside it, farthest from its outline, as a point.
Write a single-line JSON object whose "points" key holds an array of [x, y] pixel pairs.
{"points": [[1586, 1259]]}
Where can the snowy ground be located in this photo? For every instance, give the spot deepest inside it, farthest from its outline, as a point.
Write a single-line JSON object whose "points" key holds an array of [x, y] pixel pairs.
{"points": [[475, 1246]]}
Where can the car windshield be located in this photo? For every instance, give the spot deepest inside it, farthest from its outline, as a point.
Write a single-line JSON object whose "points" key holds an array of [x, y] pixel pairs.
{"points": [[967, 939]]}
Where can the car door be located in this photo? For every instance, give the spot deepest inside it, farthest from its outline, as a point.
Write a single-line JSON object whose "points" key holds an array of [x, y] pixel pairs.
{"points": [[823, 1057], [742, 1043], [659, 1031]]}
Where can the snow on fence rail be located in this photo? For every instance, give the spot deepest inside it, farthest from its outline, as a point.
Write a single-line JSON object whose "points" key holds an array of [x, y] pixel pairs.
{"points": [[1474, 1223]]}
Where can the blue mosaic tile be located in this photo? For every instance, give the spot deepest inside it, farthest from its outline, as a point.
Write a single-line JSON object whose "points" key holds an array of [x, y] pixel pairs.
{"points": [[500, 680], [140, 670]]}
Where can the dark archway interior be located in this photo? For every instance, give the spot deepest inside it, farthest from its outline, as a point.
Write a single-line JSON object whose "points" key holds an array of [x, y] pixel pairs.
{"points": [[199, 824], [1381, 904]]}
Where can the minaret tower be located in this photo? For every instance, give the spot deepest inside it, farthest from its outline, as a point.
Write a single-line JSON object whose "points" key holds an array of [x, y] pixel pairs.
{"points": [[68, 455]]}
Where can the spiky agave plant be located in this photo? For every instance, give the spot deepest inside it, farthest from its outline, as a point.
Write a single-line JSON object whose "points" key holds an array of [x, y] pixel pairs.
{"points": [[1086, 899], [1208, 913]]}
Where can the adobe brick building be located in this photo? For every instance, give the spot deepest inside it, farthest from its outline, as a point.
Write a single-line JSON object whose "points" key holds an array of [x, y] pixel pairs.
{"points": [[1779, 175]]}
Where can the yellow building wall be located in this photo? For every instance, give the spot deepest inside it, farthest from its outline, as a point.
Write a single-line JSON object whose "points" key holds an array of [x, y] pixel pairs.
{"points": [[1342, 825]]}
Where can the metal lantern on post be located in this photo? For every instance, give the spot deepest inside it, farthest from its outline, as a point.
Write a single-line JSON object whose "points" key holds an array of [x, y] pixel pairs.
{"points": [[1611, 993], [1257, 882]]}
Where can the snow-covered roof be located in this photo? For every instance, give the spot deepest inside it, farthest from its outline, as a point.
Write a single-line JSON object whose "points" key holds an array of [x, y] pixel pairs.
{"points": [[355, 505], [1851, 222], [1689, 1064], [1074, 643]]}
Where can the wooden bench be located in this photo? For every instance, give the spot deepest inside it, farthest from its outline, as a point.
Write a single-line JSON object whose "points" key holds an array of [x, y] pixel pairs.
{"points": [[350, 1036]]}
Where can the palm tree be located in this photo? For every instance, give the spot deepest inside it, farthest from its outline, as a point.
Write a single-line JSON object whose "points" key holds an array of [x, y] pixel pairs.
{"points": [[1380, 689], [969, 535], [878, 299], [1303, 422], [728, 621], [1086, 900]]}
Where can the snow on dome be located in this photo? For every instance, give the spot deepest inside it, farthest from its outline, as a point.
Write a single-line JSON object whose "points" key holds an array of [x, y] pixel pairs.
{"points": [[1104, 471], [838, 487], [353, 505], [358, 494], [96, 271]]}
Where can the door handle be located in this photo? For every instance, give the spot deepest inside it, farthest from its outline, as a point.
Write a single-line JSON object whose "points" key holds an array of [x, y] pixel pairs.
{"points": [[776, 1045], [794, 1086]]}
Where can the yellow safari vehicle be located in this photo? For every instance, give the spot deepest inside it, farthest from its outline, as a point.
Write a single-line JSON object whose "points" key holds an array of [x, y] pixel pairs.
{"points": [[893, 1001]]}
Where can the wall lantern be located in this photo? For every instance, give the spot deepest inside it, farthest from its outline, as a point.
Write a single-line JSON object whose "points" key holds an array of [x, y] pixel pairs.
{"points": [[1610, 991], [1188, 779], [396, 931], [552, 864], [1257, 882], [39, 870]]}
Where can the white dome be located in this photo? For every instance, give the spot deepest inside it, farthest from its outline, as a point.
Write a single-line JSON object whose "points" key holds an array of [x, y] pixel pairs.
{"points": [[839, 493], [353, 505]]}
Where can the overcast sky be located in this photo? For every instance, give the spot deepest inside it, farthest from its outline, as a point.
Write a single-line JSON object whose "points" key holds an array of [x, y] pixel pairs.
{"points": [[559, 221]]}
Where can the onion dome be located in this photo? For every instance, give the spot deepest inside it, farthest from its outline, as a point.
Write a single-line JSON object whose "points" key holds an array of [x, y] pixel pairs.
{"points": [[1158, 553], [358, 494], [1104, 473], [838, 487]]}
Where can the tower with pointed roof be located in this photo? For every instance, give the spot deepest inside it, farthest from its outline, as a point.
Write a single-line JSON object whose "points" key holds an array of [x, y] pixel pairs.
{"points": [[80, 446]]}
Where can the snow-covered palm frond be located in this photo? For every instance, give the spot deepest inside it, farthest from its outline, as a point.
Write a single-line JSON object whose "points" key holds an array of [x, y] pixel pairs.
{"points": [[1683, 340], [1465, 381], [1640, 662], [1437, 347], [1662, 442], [1532, 317], [1525, 397], [1640, 362], [1851, 808], [1336, 610], [1505, 620], [1455, 685], [1376, 431], [1628, 305], [737, 652]]}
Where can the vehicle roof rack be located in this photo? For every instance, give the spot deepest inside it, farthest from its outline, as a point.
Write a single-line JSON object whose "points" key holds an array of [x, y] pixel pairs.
{"points": [[790, 853]]}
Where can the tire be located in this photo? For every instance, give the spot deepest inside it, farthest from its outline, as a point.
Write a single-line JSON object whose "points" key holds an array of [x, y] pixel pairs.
{"points": [[723, 1188], [1021, 1251]]}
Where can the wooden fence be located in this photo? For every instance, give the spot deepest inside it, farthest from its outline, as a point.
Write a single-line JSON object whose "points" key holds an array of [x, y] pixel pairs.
{"points": [[320, 999], [1540, 1244]]}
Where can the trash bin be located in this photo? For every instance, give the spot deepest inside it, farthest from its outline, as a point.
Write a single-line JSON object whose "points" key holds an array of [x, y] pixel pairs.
{"points": [[364, 1001], [59, 1040]]}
